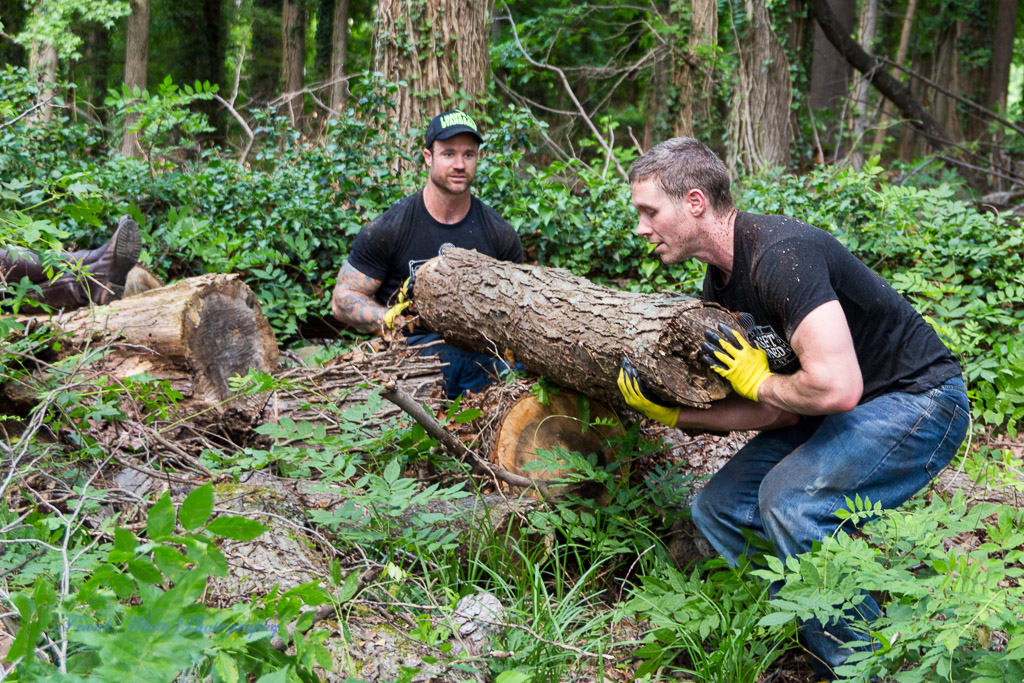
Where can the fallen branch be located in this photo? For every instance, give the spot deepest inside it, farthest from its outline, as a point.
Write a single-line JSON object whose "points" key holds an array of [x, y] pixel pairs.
{"points": [[452, 444]]}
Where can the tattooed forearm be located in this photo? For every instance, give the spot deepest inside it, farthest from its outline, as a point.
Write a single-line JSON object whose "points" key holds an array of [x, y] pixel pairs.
{"points": [[352, 301]]}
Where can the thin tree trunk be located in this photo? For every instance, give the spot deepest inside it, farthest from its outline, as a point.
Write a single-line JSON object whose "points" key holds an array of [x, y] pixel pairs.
{"points": [[42, 63], [439, 48], [1002, 54], [945, 70], [999, 83], [339, 53], [830, 74], [901, 59], [694, 82], [859, 120], [136, 63], [759, 116], [293, 48]]}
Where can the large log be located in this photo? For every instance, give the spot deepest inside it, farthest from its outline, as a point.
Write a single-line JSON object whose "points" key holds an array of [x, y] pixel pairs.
{"points": [[569, 329], [196, 333]]}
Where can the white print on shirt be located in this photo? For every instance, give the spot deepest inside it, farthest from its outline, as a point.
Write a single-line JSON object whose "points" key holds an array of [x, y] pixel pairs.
{"points": [[778, 350]]}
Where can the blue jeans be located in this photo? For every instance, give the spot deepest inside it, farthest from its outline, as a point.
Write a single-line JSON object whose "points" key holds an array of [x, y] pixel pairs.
{"points": [[465, 370], [785, 485]]}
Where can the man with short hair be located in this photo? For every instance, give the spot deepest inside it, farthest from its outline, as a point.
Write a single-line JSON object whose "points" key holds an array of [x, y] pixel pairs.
{"points": [[854, 392], [82, 277], [370, 294]]}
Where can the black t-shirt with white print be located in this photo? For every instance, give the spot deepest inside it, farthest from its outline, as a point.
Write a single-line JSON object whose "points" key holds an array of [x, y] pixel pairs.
{"points": [[784, 268], [405, 236]]}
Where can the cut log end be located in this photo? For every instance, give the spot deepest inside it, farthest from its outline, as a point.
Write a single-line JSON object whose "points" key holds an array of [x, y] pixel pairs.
{"points": [[224, 336], [530, 425]]}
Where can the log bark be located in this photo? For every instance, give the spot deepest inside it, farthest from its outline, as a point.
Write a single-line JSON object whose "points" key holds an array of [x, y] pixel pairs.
{"points": [[196, 333], [568, 329]]}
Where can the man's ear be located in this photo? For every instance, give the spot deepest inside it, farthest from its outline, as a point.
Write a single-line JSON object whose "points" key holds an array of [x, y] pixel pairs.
{"points": [[427, 156], [696, 202]]}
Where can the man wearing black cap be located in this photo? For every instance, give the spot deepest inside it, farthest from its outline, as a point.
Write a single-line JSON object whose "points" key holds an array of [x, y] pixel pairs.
{"points": [[387, 251]]}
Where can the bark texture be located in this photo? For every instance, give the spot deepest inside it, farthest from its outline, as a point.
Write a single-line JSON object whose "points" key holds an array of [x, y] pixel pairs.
{"points": [[136, 62], [760, 111], [339, 54], [293, 50], [42, 63], [695, 84], [438, 47], [568, 329], [830, 73]]}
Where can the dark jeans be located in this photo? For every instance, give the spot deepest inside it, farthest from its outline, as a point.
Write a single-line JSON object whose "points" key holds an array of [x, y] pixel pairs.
{"points": [[465, 370], [786, 484]]}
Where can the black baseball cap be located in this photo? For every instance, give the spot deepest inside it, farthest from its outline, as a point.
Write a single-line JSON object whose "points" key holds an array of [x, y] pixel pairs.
{"points": [[448, 125]]}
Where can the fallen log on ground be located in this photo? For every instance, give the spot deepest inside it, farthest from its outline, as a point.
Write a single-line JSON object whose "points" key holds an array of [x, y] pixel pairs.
{"points": [[196, 334], [569, 329]]}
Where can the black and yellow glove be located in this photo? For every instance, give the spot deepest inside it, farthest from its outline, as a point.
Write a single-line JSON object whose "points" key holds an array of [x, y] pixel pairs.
{"points": [[745, 366], [404, 301], [633, 391]]}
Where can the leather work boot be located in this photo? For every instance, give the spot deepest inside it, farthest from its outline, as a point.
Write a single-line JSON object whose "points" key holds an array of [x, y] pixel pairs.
{"points": [[107, 269], [108, 266]]}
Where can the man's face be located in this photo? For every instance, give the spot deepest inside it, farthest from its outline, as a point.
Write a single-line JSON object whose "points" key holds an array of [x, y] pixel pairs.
{"points": [[452, 163], [665, 223]]}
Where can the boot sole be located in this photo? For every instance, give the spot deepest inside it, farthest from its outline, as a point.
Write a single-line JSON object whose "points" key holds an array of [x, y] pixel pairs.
{"points": [[127, 245]]}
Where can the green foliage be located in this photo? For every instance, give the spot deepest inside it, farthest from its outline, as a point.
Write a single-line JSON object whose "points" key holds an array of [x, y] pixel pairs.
{"points": [[943, 605], [52, 20], [708, 624], [139, 614], [162, 118]]}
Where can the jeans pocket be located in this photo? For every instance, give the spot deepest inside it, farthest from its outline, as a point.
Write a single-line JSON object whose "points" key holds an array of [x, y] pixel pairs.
{"points": [[950, 443]]}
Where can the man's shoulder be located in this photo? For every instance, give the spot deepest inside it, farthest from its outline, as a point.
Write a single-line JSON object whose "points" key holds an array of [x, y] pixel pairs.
{"points": [[491, 216]]}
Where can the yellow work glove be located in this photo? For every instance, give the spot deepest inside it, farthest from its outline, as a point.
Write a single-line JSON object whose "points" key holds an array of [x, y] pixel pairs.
{"points": [[633, 391], [404, 301], [745, 366]]}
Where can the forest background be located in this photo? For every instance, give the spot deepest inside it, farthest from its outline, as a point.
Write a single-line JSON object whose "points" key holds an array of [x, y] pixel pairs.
{"points": [[258, 136]]}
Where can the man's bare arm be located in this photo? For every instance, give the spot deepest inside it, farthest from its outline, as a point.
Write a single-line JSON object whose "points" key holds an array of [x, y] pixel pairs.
{"points": [[352, 301], [829, 379], [735, 413]]}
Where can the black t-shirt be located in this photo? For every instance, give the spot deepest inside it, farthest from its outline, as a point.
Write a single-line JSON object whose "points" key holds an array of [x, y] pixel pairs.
{"points": [[784, 268], [405, 236]]}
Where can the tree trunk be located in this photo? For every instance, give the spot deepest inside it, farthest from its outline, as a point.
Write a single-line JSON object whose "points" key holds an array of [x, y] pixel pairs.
{"points": [[901, 59], [759, 116], [999, 74], [196, 334], [830, 75], [42, 64], [293, 48], [1002, 54], [694, 81], [339, 53], [945, 70], [136, 62], [568, 329], [859, 116], [439, 48]]}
